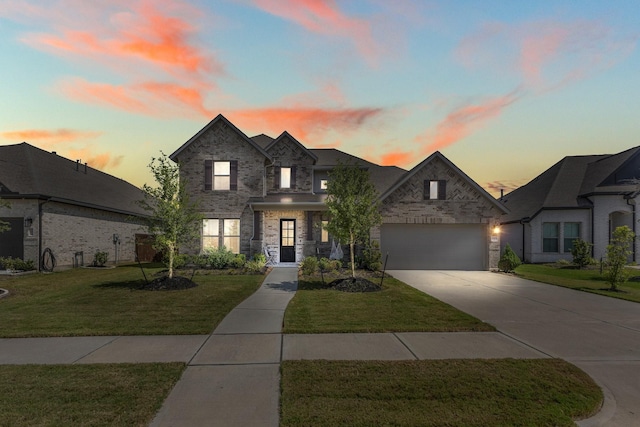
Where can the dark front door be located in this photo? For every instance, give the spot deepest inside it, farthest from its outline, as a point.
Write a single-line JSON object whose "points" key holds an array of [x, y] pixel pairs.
{"points": [[12, 240], [287, 240]]}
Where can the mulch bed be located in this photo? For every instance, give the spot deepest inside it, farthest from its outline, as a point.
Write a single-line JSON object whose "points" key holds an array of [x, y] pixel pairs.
{"points": [[359, 284], [169, 284]]}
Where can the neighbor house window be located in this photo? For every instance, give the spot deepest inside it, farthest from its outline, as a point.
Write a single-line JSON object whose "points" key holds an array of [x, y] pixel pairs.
{"points": [[221, 175], [435, 189], [571, 232], [324, 237], [230, 237], [550, 237], [210, 233]]}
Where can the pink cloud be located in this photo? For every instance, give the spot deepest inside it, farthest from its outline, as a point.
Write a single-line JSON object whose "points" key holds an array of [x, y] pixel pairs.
{"points": [[324, 17], [545, 54], [303, 122], [49, 136], [463, 120]]}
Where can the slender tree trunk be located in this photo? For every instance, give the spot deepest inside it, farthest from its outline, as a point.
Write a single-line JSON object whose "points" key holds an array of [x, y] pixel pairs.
{"points": [[351, 251], [171, 255]]}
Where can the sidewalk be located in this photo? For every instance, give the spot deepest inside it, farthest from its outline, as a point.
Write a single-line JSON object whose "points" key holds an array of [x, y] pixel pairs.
{"points": [[232, 378]]}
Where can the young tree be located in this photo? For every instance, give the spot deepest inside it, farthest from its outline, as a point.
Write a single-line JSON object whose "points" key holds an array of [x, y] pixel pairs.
{"points": [[4, 226], [353, 206], [173, 218], [581, 252], [617, 253], [509, 260]]}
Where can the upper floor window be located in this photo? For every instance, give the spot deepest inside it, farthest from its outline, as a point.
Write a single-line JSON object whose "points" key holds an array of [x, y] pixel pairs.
{"points": [[571, 231], [550, 237], [323, 184], [221, 175], [285, 177], [435, 189]]}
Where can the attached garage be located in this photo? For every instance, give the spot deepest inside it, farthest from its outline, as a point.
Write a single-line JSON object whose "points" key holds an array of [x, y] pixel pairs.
{"points": [[435, 246]]}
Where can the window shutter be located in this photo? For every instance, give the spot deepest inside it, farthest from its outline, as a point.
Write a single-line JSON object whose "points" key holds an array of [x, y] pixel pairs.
{"points": [[208, 174], [426, 189], [442, 189], [276, 174], [233, 184], [293, 178]]}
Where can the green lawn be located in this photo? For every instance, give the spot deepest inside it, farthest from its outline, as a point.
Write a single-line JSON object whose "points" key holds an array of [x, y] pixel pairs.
{"points": [[507, 392], [84, 395], [585, 280], [398, 307], [83, 302]]}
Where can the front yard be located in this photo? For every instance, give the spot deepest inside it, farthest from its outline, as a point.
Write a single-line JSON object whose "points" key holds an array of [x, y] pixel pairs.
{"points": [[84, 302], [588, 280]]}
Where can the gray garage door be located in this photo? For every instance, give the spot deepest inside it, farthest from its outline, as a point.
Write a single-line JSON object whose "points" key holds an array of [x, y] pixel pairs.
{"points": [[435, 246]]}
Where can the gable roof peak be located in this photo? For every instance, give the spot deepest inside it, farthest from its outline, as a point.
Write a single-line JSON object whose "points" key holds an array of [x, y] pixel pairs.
{"points": [[284, 135], [219, 118]]}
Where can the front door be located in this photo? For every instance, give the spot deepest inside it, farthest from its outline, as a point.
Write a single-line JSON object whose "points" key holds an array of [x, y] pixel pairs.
{"points": [[287, 240]]}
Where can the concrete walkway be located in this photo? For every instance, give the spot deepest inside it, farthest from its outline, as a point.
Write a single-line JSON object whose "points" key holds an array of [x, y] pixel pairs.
{"points": [[232, 377]]}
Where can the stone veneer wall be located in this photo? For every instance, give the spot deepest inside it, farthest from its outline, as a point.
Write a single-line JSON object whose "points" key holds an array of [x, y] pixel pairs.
{"points": [[287, 153], [463, 205]]}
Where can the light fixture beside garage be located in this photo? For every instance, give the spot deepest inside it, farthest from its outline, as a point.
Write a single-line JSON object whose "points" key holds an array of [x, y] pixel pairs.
{"points": [[496, 230]]}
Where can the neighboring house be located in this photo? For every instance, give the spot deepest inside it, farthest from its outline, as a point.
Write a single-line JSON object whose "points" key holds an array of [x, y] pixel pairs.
{"points": [[260, 192], [67, 207], [584, 197]]}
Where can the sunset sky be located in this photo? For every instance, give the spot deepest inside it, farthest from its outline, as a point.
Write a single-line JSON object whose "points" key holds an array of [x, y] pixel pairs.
{"points": [[504, 89]]}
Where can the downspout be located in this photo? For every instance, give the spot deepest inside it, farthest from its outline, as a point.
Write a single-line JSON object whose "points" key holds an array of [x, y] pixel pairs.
{"points": [[40, 204]]}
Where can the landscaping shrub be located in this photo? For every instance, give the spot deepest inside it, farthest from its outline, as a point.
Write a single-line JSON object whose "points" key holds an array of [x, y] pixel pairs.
{"points": [[326, 265], [238, 261], [581, 252], [309, 265], [257, 264], [10, 263], [100, 259], [179, 261], [509, 260], [372, 257], [219, 258]]}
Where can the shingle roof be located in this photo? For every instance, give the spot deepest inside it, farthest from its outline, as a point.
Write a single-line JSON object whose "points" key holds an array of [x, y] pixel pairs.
{"points": [[382, 177], [32, 172], [565, 184]]}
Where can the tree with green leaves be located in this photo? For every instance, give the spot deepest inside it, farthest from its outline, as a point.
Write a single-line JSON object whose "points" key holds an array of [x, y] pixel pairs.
{"points": [[509, 260], [618, 252], [173, 218], [4, 226], [581, 252], [353, 206]]}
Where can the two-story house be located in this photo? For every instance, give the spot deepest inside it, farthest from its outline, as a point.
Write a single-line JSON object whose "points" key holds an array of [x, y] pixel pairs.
{"points": [[260, 191]]}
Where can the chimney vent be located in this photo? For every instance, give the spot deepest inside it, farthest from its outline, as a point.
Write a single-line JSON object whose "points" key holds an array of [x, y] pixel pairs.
{"points": [[85, 168], [77, 165]]}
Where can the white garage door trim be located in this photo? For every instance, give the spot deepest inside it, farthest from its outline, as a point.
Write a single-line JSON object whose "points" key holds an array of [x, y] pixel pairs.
{"points": [[435, 246]]}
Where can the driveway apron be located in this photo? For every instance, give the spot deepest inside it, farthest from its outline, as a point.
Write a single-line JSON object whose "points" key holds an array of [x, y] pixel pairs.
{"points": [[234, 378], [600, 335]]}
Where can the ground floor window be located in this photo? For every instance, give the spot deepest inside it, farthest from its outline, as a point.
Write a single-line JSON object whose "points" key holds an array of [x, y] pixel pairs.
{"points": [[571, 231], [219, 232], [550, 236]]}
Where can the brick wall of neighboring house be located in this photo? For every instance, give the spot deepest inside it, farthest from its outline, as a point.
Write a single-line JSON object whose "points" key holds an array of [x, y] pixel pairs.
{"points": [[533, 240], [463, 205], [220, 142], [287, 153], [25, 208], [68, 229]]}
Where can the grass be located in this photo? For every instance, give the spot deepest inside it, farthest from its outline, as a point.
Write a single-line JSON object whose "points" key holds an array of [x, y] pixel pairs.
{"points": [[506, 392], [397, 308], [84, 395], [587, 280], [84, 302]]}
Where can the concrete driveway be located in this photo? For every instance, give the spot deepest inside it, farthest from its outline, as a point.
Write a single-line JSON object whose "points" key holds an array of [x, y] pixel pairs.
{"points": [[600, 335]]}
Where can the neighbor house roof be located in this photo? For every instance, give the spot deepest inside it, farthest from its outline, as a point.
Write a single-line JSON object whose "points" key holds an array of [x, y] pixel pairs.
{"points": [[29, 172], [566, 184]]}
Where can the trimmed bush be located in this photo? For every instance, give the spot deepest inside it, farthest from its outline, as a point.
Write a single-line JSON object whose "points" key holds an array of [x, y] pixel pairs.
{"points": [[372, 257], [100, 259], [509, 260], [326, 265], [238, 261], [10, 263], [219, 258]]}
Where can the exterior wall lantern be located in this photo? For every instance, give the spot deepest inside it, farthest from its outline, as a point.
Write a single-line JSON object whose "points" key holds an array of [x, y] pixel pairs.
{"points": [[28, 222]]}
